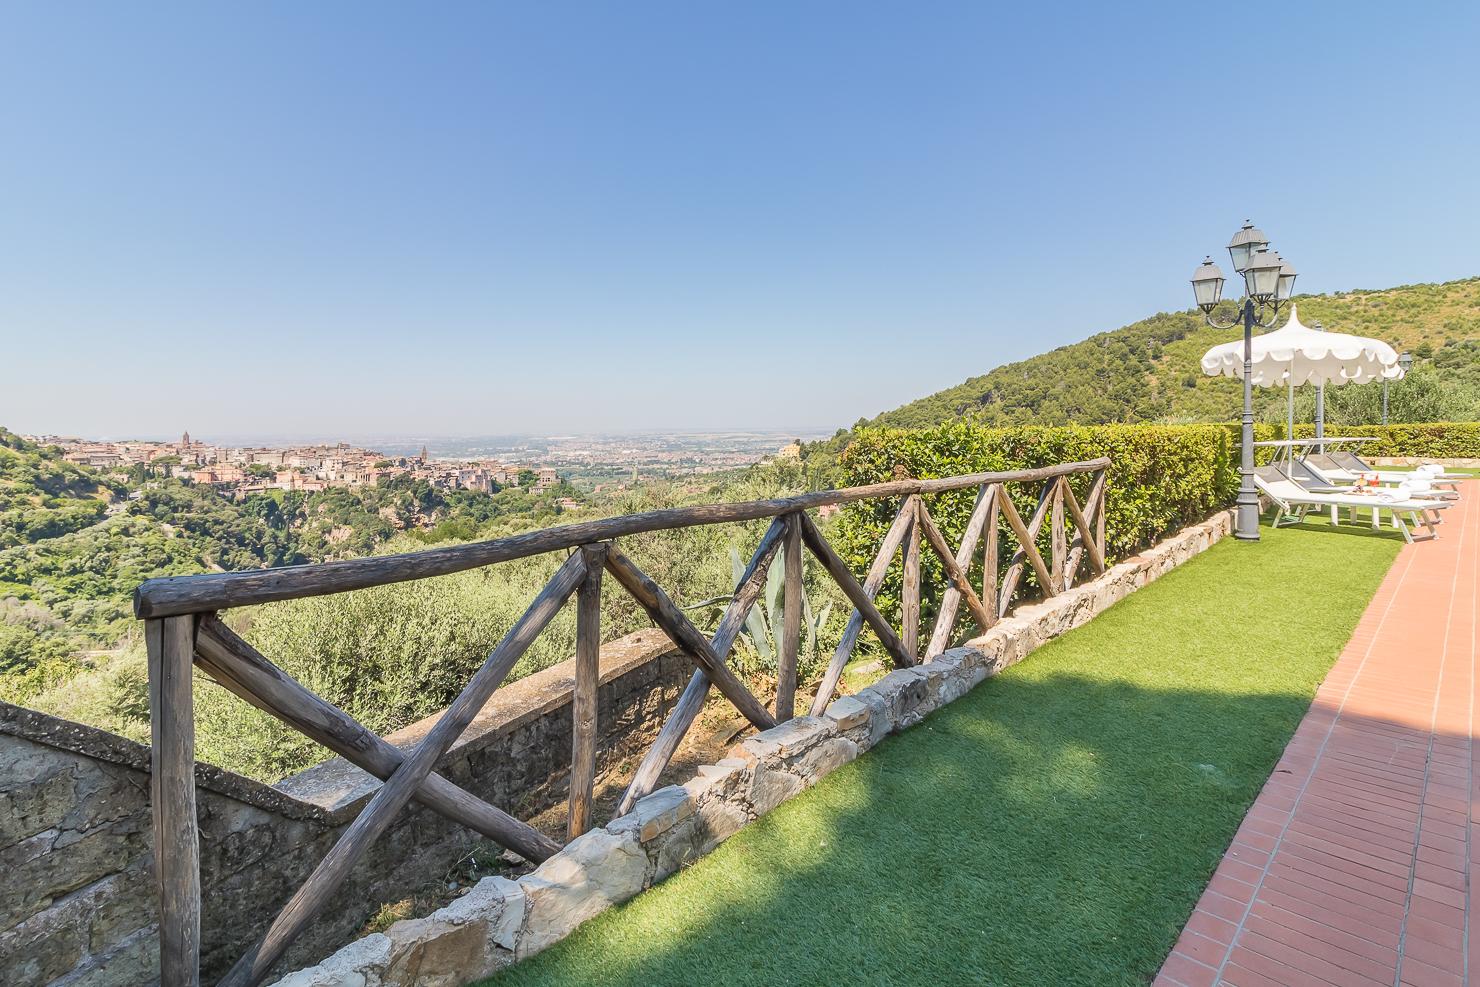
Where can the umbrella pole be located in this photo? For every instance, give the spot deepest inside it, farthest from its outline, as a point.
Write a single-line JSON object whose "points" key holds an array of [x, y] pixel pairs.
{"points": [[1290, 420]]}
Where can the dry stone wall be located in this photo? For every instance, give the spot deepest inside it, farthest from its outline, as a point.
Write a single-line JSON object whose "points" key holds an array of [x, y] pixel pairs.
{"points": [[501, 921]]}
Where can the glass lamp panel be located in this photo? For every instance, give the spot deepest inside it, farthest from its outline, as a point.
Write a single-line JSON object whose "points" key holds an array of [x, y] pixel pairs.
{"points": [[1207, 284], [1239, 254], [1263, 275], [1244, 245], [1208, 292], [1285, 288]]}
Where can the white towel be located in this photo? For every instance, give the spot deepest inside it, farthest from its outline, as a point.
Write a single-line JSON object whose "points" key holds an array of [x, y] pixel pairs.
{"points": [[1400, 493]]}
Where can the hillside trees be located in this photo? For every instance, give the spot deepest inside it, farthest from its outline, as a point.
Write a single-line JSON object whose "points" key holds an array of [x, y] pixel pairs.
{"points": [[1149, 372]]}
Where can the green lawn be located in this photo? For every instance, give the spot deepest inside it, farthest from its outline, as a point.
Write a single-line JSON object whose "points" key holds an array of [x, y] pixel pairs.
{"points": [[1054, 826]]}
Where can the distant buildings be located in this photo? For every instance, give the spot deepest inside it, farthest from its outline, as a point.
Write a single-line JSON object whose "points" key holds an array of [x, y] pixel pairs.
{"points": [[242, 471]]}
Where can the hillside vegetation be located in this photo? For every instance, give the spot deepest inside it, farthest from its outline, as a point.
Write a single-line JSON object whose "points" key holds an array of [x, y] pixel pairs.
{"points": [[75, 542], [1148, 371]]}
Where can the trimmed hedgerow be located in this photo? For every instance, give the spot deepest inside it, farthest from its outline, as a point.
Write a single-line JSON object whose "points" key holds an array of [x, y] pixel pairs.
{"points": [[1161, 478], [1434, 440]]}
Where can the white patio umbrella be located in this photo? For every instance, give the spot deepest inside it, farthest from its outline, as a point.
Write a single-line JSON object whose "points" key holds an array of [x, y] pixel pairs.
{"points": [[1296, 354]]}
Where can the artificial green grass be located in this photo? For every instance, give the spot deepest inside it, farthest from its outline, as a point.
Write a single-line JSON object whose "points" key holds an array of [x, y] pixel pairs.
{"points": [[1054, 826]]}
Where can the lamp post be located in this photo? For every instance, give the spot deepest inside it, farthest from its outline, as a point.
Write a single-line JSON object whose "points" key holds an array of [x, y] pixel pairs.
{"points": [[1268, 283], [1405, 360]]}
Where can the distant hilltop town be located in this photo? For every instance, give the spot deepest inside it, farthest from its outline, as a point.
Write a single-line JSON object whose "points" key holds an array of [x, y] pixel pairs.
{"points": [[242, 471]]}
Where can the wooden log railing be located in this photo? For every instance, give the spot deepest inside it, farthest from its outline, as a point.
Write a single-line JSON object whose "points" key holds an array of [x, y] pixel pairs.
{"points": [[183, 628]]}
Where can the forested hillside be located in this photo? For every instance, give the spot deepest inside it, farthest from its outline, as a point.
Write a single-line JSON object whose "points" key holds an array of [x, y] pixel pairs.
{"points": [[1148, 371], [74, 543]]}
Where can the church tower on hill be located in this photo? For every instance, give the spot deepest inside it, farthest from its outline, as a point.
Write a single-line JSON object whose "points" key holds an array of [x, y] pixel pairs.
{"points": [[185, 439]]}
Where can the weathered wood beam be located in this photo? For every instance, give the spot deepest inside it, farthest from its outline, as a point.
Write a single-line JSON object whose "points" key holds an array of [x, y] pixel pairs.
{"points": [[851, 588], [875, 578], [219, 591], [392, 797], [686, 710], [945, 621], [1094, 504], [242, 670], [1086, 534], [1099, 489], [1058, 547], [990, 575], [672, 621], [1025, 536], [1019, 558], [789, 648], [583, 704], [909, 593], [170, 643], [959, 580]]}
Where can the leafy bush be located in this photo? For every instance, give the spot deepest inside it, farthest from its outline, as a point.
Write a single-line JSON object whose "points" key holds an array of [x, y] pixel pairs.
{"points": [[1161, 478], [1431, 440], [393, 654]]}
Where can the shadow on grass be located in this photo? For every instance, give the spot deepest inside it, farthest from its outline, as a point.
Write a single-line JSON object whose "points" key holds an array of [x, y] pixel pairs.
{"points": [[1054, 826]]}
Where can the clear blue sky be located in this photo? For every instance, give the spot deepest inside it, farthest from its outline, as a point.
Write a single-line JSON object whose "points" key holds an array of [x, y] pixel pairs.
{"points": [[486, 218]]}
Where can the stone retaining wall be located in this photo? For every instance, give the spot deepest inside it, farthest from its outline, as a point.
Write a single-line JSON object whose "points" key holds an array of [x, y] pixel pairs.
{"points": [[501, 921], [77, 902]]}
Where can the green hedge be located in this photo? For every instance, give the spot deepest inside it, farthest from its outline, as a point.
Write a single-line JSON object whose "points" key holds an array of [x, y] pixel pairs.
{"points": [[1434, 440], [1161, 478]]}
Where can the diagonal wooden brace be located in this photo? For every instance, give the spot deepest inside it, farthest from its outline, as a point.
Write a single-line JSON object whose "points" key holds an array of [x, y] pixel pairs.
{"points": [[1026, 539], [959, 581], [238, 667], [392, 797], [950, 601], [871, 583], [855, 592], [686, 710], [1086, 538], [672, 621]]}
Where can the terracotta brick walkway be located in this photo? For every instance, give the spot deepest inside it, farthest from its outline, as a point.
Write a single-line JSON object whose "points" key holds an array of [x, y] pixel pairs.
{"points": [[1355, 864]]}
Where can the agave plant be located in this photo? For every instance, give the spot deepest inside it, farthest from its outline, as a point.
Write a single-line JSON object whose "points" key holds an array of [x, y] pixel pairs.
{"points": [[763, 624]]}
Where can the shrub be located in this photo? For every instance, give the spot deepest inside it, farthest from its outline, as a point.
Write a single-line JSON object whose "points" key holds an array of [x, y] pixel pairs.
{"points": [[1433, 440]]}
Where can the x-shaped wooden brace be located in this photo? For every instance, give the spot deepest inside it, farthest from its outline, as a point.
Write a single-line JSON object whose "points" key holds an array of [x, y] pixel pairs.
{"points": [[405, 781]]}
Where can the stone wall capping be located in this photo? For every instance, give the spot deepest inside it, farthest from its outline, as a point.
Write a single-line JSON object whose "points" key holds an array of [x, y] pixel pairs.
{"points": [[655, 814]]}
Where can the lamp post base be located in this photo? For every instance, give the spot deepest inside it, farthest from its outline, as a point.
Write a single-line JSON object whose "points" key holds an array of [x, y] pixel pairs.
{"points": [[1246, 525]]}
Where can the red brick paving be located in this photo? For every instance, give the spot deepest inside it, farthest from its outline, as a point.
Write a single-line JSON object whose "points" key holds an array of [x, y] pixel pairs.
{"points": [[1355, 863]]}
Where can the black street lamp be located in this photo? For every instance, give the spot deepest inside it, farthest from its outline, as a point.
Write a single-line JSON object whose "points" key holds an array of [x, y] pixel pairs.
{"points": [[1269, 282]]}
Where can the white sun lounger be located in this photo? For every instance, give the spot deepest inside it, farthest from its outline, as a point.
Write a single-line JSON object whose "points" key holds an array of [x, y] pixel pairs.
{"points": [[1310, 481], [1329, 470], [1352, 462], [1293, 500]]}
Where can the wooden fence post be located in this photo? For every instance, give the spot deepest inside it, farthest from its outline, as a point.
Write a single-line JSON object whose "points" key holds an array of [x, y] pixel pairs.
{"points": [[171, 645], [990, 575], [584, 696], [1099, 486], [1058, 544], [791, 629], [909, 595]]}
